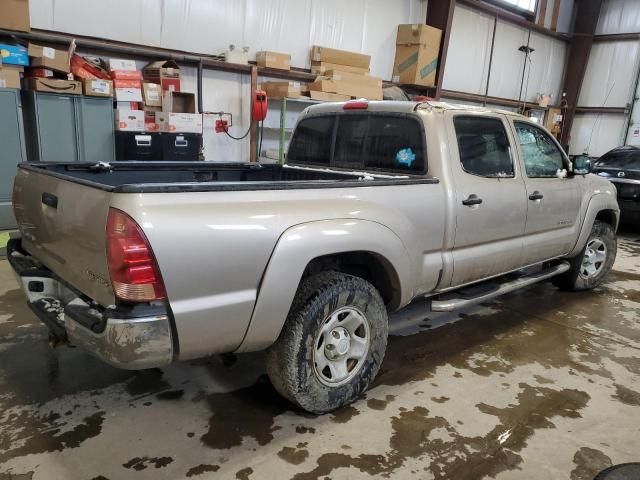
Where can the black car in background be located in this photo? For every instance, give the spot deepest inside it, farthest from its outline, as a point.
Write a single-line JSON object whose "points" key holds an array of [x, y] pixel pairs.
{"points": [[622, 167]]}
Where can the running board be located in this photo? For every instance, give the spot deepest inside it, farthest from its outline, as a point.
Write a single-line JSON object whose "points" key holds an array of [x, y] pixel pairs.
{"points": [[455, 303]]}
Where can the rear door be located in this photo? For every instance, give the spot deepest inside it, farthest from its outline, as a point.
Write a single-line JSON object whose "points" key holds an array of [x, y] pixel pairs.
{"points": [[553, 199], [490, 197], [63, 225]]}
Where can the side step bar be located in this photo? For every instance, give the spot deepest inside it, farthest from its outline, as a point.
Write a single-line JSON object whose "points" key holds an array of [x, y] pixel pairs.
{"points": [[454, 303]]}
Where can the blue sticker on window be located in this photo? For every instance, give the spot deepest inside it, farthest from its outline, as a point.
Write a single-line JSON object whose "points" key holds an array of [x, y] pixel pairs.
{"points": [[405, 157]]}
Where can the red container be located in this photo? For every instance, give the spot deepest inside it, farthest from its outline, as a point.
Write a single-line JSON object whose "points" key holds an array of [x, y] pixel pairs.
{"points": [[87, 70]]}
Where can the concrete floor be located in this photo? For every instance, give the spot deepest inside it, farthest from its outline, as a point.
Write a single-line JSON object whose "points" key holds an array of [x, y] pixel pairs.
{"points": [[538, 385]]}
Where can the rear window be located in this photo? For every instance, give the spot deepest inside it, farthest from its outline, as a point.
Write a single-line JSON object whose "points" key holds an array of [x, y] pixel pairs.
{"points": [[312, 141], [369, 141], [621, 159]]}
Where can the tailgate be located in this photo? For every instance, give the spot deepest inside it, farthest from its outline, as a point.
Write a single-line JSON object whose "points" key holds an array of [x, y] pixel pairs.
{"points": [[63, 225]]}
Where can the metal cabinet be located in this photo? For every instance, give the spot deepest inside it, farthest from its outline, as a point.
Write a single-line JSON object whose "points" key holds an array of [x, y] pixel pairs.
{"points": [[68, 128], [12, 151]]}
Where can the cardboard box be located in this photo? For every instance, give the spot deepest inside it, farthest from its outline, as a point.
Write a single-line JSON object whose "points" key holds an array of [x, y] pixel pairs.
{"points": [[127, 105], [417, 50], [341, 57], [166, 73], [152, 94], [179, 102], [179, 122], [281, 61], [418, 34], [150, 123], [126, 75], [350, 89], [120, 64], [48, 57], [320, 68], [14, 54], [126, 83], [364, 80], [328, 97], [9, 78], [129, 120], [281, 89], [415, 65], [14, 15], [128, 94], [39, 72], [97, 87], [54, 85]]}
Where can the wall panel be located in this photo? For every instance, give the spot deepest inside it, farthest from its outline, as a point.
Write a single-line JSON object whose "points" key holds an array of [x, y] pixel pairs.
{"points": [[619, 16], [596, 134], [611, 70]]}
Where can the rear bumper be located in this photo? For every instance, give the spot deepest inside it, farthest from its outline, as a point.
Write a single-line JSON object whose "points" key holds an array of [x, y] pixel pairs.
{"points": [[133, 339]]}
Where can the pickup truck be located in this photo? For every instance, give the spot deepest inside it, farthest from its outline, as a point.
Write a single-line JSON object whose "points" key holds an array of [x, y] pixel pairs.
{"points": [[379, 203]]}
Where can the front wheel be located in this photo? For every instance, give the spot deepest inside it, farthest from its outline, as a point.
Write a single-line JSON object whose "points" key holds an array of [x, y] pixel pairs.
{"points": [[591, 266], [332, 343]]}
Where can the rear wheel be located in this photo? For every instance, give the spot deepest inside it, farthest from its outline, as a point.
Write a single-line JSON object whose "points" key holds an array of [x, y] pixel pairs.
{"points": [[591, 266], [332, 343]]}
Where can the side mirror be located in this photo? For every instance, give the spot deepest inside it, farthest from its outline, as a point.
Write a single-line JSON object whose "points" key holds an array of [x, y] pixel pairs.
{"points": [[582, 165]]}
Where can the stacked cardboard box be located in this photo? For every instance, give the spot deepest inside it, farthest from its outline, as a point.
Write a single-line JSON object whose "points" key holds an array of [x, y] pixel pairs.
{"points": [[14, 15], [280, 61], [49, 71], [96, 80], [342, 75], [281, 89], [417, 50]]}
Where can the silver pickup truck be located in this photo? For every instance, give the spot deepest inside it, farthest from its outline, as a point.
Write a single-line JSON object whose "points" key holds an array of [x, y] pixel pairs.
{"points": [[380, 203]]}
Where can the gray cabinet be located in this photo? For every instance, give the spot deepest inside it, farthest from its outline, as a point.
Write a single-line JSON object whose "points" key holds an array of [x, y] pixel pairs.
{"points": [[12, 151], [68, 128]]}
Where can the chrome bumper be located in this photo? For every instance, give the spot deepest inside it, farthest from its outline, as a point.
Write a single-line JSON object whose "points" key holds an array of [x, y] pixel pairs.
{"points": [[122, 339]]}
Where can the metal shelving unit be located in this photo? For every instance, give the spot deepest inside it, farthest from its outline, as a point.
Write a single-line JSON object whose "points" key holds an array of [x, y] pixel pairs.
{"points": [[283, 129]]}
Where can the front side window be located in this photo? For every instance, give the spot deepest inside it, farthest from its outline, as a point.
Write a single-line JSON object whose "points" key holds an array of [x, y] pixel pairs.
{"points": [[542, 157], [368, 141], [483, 146]]}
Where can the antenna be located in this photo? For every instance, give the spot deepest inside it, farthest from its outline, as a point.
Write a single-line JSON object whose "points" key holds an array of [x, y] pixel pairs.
{"points": [[586, 150]]}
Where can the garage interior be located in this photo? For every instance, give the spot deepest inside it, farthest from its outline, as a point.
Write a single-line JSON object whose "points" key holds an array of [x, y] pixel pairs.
{"points": [[538, 383]]}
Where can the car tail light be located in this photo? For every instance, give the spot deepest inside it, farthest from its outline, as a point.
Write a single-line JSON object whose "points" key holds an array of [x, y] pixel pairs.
{"points": [[133, 269], [356, 105]]}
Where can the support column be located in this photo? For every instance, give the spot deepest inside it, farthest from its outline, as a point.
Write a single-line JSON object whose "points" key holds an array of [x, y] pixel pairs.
{"points": [[440, 15], [587, 12]]}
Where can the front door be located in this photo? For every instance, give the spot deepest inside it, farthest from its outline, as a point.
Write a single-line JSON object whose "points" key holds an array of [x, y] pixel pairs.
{"points": [[553, 198], [490, 197]]}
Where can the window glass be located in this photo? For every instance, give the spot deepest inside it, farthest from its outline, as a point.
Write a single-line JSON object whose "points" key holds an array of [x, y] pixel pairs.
{"points": [[542, 158], [394, 143], [363, 140], [311, 142], [350, 140], [623, 158], [483, 146]]}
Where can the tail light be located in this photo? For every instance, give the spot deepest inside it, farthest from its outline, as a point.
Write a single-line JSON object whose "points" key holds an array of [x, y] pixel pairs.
{"points": [[355, 105], [133, 269]]}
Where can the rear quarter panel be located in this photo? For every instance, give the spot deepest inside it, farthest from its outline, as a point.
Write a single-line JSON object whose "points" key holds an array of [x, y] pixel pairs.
{"points": [[213, 247]]}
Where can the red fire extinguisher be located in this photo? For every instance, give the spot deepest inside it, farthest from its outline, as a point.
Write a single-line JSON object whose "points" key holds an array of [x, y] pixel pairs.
{"points": [[260, 106]]}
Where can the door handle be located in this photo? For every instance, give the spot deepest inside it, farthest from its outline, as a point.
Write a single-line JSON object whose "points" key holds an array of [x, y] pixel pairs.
{"points": [[536, 195], [472, 199], [50, 199]]}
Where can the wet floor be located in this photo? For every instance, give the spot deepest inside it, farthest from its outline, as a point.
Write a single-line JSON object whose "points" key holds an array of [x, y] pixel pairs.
{"points": [[538, 385]]}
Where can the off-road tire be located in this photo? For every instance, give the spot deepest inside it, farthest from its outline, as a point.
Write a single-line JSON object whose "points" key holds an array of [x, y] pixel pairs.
{"points": [[290, 360], [572, 279]]}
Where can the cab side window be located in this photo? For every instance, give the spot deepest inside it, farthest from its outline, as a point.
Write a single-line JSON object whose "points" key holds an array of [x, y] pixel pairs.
{"points": [[483, 146], [542, 157]]}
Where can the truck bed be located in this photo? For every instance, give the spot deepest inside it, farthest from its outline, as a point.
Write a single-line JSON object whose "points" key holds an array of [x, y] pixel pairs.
{"points": [[155, 177]]}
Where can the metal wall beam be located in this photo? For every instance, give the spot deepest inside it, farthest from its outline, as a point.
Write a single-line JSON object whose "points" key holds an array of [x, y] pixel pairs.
{"points": [[440, 15], [511, 17], [587, 12]]}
